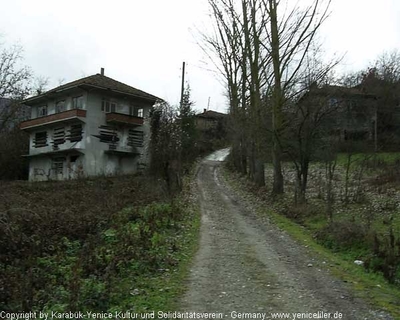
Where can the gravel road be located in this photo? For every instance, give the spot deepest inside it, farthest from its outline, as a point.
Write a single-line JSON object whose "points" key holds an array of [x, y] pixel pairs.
{"points": [[247, 268]]}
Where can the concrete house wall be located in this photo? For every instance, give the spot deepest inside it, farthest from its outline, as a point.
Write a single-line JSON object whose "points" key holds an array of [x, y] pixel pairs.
{"points": [[97, 162], [41, 159]]}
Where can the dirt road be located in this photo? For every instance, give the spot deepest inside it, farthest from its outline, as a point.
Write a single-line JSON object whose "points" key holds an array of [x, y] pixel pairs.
{"points": [[247, 267]]}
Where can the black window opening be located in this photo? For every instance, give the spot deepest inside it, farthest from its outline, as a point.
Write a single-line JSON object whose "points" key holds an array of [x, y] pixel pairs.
{"points": [[58, 137], [58, 165], [40, 139], [109, 135], [135, 138], [75, 133]]}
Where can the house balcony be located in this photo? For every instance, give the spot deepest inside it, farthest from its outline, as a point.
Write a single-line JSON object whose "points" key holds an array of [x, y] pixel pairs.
{"points": [[125, 119], [65, 116], [123, 151]]}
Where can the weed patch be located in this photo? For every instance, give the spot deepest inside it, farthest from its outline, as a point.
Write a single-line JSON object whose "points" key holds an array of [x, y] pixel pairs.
{"points": [[93, 245]]}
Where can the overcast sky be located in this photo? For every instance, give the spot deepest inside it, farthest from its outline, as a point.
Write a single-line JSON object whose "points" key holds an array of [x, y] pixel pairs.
{"points": [[143, 43]]}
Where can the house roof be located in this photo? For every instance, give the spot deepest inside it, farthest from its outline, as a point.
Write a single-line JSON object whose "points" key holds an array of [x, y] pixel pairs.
{"points": [[334, 91], [98, 81], [340, 90], [210, 114]]}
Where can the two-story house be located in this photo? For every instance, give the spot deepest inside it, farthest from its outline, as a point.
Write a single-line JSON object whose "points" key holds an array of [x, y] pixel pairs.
{"points": [[92, 126], [212, 123], [347, 113]]}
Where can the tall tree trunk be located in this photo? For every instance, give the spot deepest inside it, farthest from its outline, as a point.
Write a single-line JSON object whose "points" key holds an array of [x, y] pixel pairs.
{"points": [[329, 173], [252, 162], [278, 176], [259, 173], [304, 180], [276, 101], [243, 158]]}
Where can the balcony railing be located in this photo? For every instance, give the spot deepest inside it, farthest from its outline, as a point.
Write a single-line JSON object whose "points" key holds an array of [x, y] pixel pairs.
{"points": [[120, 118], [56, 117]]}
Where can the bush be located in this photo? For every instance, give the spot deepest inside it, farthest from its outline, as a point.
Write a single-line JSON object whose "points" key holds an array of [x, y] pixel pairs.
{"points": [[386, 256], [14, 144], [343, 235]]}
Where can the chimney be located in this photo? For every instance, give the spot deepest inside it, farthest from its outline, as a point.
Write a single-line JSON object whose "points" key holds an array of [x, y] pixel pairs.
{"points": [[205, 110], [102, 71]]}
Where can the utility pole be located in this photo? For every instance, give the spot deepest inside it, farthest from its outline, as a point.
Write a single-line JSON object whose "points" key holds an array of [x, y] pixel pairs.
{"points": [[183, 83], [208, 105]]}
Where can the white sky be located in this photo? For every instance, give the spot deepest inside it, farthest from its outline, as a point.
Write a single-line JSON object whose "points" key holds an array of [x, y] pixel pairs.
{"points": [[143, 43]]}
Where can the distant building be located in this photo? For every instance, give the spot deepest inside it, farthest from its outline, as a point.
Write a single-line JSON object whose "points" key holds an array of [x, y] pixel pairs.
{"points": [[351, 113], [92, 126], [211, 121]]}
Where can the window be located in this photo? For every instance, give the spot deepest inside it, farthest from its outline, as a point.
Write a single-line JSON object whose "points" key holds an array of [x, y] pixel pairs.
{"points": [[136, 111], [58, 137], [73, 159], [107, 106], [108, 134], [77, 102], [60, 106], [40, 139], [135, 138], [42, 111], [75, 133], [58, 165]]}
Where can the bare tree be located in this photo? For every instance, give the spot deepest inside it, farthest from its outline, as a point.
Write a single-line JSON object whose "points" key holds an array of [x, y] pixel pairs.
{"points": [[40, 85], [262, 54], [14, 80], [237, 44], [14, 83], [225, 43], [311, 117], [330, 159], [289, 38], [166, 146]]}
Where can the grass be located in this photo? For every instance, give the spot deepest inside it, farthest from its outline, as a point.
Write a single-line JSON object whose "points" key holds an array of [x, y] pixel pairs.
{"points": [[161, 291], [387, 157], [371, 287]]}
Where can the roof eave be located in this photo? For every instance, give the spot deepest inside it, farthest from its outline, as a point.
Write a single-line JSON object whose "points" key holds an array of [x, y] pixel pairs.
{"points": [[45, 95], [150, 98]]}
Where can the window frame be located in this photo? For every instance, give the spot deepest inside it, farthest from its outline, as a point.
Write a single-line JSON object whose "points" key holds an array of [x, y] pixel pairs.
{"points": [[61, 103], [108, 106], [136, 111], [75, 104], [42, 108]]}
